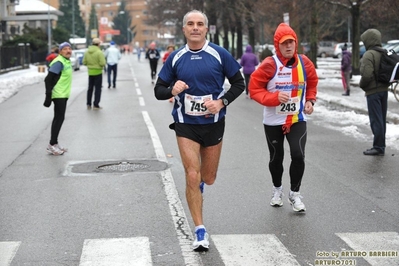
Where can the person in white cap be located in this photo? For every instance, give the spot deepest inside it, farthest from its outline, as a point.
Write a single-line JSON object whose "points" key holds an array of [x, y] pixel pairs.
{"points": [[112, 55], [58, 84], [94, 59]]}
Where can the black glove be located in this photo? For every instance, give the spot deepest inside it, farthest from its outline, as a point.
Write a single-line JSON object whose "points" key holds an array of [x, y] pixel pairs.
{"points": [[47, 101]]}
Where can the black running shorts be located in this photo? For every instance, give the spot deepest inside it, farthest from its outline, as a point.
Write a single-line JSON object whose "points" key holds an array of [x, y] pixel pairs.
{"points": [[206, 135]]}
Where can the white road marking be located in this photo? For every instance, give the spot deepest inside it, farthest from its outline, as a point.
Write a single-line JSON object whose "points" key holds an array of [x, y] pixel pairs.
{"points": [[138, 91], [8, 250], [253, 250], [371, 242], [116, 252], [141, 101]]}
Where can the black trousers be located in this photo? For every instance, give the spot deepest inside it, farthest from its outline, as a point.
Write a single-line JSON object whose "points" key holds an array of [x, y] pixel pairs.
{"points": [[247, 78], [114, 70], [95, 82], [377, 105], [59, 116], [153, 66], [297, 140]]}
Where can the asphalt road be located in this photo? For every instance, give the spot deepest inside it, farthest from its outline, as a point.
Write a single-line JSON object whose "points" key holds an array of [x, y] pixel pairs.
{"points": [[117, 196]]}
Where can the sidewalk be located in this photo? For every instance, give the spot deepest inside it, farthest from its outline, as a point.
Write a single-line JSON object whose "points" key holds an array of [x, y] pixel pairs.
{"points": [[330, 91]]}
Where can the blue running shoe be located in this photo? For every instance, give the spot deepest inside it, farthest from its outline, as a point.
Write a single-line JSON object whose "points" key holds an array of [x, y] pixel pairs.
{"points": [[202, 184], [201, 242]]}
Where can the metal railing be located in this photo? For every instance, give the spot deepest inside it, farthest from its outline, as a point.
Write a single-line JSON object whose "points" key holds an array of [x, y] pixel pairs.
{"points": [[19, 57]]}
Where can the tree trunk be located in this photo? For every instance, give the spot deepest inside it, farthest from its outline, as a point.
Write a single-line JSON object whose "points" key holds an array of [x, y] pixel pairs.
{"points": [[239, 39], [313, 32], [355, 11]]}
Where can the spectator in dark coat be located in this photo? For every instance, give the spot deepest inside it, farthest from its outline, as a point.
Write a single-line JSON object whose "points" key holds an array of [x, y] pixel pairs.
{"points": [[346, 68], [249, 61], [376, 91], [265, 53]]}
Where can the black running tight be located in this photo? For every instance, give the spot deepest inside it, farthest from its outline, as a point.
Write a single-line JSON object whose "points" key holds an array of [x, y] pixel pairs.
{"points": [[297, 140], [153, 66], [59, 116]]}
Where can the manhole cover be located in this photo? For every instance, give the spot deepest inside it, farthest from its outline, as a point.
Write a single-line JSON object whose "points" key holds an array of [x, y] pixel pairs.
{"points": [[122, 166]]}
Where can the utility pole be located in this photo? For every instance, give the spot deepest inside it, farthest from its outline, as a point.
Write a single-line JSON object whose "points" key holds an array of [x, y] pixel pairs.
{"points": [[128, 30], [73, 23], [48, 27]]}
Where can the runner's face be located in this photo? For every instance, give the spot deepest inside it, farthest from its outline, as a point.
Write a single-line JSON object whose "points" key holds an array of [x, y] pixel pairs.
{"points": [[287, 48], [195, 29], [66, 52]]}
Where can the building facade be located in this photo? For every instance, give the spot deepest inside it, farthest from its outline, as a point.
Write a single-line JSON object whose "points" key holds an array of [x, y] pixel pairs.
{"points": [[34, 13], [108, 9], [14, 13]]}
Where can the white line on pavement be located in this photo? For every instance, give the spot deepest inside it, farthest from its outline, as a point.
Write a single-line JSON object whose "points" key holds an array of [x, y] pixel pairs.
{"points": [[116, 252], [379, 247], [253, 250], [7, 252]]}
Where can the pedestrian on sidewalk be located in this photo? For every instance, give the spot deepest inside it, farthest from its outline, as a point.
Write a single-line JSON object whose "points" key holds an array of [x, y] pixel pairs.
{"points": [[153, 56], [195, 75], [94, 59], [286, 85], [376, 92], [346, 68], [58, 84], [112, 55], [248, 61]]}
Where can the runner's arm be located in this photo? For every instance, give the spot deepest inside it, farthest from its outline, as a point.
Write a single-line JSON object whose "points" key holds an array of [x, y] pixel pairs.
{"points": [[237, 87], [162, 90]]}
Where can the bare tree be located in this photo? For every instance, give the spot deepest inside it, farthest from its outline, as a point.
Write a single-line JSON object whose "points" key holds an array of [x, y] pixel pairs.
{"points": [[312, 20]]}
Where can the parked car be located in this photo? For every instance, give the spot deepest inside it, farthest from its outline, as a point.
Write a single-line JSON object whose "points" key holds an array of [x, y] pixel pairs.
{"points": [[362, 50], [79, 54], [326, 49], [74, 61], [390, 44], [338, 49], [395, 48], [305, 48]]}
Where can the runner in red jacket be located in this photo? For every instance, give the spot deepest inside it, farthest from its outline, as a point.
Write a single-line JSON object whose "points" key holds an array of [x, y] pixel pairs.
{"points": [[286, 85]]}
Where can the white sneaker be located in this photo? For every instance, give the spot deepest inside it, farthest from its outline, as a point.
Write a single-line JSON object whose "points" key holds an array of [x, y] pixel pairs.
{"points": [[277, 198], [201, 241], [61, 148], [54, 150], [295, 200]]}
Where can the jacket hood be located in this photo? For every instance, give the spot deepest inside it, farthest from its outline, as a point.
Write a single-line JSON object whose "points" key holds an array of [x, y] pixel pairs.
{"points": [[248, 49], [282, 30], [371, 38], [93, 49]]}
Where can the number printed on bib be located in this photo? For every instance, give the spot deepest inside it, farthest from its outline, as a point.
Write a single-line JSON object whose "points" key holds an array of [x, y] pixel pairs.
{"points": [[289, 108], [194, 105]]}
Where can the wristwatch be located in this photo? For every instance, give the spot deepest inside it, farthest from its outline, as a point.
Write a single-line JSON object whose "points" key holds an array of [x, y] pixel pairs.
{"points": [[311, 101], [225, 101]]}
